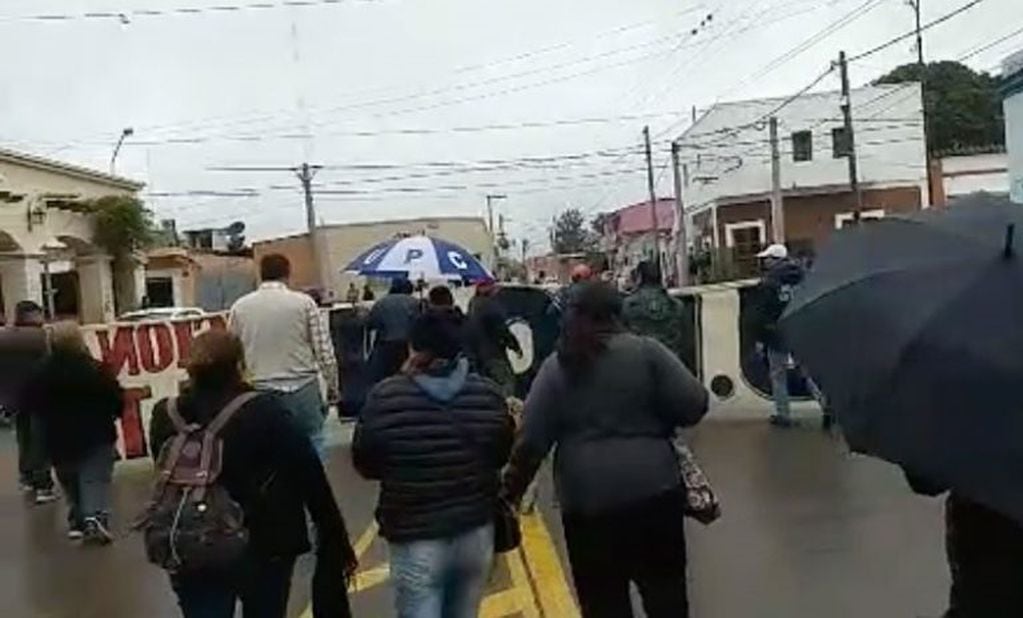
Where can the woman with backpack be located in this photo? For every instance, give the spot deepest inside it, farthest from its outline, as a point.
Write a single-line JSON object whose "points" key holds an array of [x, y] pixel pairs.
{"points": [[270, 470], [76, 401], [436, 436], [611, 402]]}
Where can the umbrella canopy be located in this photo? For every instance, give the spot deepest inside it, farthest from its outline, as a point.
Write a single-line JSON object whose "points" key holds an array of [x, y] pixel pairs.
{"points": [[913, 328], [420, 257]]}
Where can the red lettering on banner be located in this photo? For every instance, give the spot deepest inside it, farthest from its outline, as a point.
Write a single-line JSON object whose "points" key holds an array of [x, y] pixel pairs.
{"points": [[154, 360], [121, 353], [132, 432], [183, 335]]}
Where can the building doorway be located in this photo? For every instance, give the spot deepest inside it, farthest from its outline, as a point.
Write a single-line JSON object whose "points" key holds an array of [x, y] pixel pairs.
{"points": [[160, 291]]}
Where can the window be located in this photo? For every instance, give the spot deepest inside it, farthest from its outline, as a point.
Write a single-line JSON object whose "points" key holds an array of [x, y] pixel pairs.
{"points": [[846, 218], [745, 239], [802, 146], [839, 143]]}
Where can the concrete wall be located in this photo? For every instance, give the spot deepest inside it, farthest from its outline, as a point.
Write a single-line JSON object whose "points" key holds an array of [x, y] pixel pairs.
{"points": [[962, 175], [1013, 107], [299, 252], [725, 158], [223, 279]]}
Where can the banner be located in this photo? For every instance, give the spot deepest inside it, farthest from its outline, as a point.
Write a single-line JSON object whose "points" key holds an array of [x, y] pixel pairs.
{"points": [[148, 359]]}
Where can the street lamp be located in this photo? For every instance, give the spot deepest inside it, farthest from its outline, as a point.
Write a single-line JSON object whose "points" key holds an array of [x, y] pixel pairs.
{"points": [[125, 134], [51, 248]]}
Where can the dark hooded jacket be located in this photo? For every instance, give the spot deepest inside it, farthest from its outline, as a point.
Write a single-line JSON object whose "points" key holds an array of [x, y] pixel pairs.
{"points": [[436, 442], [770, 298]]}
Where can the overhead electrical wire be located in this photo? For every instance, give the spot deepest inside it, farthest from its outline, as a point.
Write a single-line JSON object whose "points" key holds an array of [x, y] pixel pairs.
{"points": [[125, 17], [913, 33]]}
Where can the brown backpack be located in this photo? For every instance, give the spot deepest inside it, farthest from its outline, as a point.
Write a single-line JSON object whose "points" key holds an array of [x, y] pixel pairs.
{"points": [[192, 523]]}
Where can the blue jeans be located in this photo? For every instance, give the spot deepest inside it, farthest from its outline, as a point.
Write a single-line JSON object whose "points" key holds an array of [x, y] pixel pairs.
{"points": [[86, 485], [309, 412], [778, 365], [442, 578]]}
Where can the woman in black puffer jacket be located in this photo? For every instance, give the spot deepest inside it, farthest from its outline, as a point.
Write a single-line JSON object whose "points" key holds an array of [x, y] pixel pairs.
{"points": [[436, 437]]}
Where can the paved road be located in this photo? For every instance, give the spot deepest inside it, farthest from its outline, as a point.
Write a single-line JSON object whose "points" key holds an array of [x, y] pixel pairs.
{"points": [[808, 531]]}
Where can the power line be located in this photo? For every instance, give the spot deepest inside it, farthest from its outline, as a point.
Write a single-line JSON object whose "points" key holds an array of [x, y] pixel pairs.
{"points": [[126, 17], [913, 33], [984, 48]]}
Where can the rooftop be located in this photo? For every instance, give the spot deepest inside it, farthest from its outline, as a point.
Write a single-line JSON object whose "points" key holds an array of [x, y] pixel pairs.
{"points": [[68, 169]]}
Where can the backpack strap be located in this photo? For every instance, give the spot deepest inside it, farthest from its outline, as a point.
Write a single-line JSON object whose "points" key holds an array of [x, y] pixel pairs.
{"points": [[180, 425], [219, 421]]}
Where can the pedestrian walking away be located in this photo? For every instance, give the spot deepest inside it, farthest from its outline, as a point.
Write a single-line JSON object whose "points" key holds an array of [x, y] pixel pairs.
{"points": [[611, 401], [390, 320], [23, 348], [270, 469], [651, 312], [436, 437], [490, 340], [77, 400], [771, 296], [288, 347]]}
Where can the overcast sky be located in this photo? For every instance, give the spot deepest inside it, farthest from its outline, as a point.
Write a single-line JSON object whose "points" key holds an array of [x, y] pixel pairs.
{"points": [[342, 85]]}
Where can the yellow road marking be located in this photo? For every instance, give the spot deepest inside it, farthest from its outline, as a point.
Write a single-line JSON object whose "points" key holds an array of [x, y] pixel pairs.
{"points": [[550, 587], [366, 539], [539, 586]]}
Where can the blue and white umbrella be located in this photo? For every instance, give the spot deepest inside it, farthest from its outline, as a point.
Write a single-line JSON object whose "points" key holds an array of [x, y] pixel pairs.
{"points": [[420, 257]]}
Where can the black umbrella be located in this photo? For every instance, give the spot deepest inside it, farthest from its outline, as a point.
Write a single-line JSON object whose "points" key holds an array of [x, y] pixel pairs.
{"points": [[913, 328]]}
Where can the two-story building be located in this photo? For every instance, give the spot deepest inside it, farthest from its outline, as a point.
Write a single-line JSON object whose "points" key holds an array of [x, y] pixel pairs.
{"points": [[1012, 91], [46, 242], [727, 169]]}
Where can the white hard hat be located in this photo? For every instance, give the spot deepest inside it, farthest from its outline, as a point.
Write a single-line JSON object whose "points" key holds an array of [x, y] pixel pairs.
{"points": [[776, 251]]}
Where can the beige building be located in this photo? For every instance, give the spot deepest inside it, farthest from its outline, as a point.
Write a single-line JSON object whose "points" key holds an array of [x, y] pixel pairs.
{"points": [[340, 244], [38, 232], [182, 277]]}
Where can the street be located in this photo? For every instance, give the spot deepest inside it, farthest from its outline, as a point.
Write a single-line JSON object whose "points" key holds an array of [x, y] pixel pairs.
{"points": [[807, 530]]}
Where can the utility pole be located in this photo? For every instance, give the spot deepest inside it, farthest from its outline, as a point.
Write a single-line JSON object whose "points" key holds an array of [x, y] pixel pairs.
{"points": [[305, 173], [850, 139], [682, 235], [653, 197], [491, 197], [922, 70], [777, 206]]}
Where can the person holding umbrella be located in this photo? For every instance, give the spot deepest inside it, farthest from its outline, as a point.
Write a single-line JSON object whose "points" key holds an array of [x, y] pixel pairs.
{"points": [[925, 309], [391, 320]]}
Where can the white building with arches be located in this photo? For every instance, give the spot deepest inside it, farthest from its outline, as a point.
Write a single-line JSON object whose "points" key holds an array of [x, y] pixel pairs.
{"points": [[38, 232]]}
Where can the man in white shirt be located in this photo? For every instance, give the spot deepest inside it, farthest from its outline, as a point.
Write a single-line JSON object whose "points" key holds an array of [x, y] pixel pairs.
{"points": [[287, 346]]}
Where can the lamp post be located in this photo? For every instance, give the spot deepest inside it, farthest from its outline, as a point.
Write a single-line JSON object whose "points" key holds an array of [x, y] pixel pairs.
{"points": [[125, 134], [50, 248]]}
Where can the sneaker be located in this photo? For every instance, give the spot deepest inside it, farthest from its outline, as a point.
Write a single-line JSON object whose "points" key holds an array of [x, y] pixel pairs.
{"points": [[96, 532], [76, 533], [45, 496], [25, 488], [781, 421]]}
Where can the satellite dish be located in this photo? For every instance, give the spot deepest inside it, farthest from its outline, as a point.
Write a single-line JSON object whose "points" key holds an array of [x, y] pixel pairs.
{"points": [[235, 229]]}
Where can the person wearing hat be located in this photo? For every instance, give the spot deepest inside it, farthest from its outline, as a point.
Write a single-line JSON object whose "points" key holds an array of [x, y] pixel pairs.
{"points": [[771, 296]]}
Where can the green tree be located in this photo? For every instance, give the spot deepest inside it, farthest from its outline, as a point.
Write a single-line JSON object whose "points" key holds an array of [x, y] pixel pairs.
{"points": [[571, 234], [123, 225], [963, 106]]}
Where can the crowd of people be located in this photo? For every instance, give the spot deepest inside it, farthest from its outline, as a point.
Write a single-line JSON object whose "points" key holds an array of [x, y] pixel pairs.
{"points": [[453, 450]]}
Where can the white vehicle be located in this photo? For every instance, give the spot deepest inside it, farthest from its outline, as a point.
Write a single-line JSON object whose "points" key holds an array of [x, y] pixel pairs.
{"points": [[162, 314]]}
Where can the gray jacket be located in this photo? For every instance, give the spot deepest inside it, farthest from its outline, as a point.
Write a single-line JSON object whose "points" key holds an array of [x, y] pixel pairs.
{"points": [[613, 427]]}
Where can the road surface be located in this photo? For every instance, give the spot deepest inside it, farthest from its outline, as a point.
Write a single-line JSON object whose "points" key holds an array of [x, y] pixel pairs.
{"points": [[808, 531]]}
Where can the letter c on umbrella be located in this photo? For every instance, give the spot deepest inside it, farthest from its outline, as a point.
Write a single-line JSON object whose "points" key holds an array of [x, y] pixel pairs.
{"points": [[412, 255], [456, 258], [373, 255]]}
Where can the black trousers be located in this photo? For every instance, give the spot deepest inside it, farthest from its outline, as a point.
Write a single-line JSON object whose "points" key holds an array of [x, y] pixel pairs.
{"points": [[263, 587], [386, 360], [33, 462], [642, 543]]}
